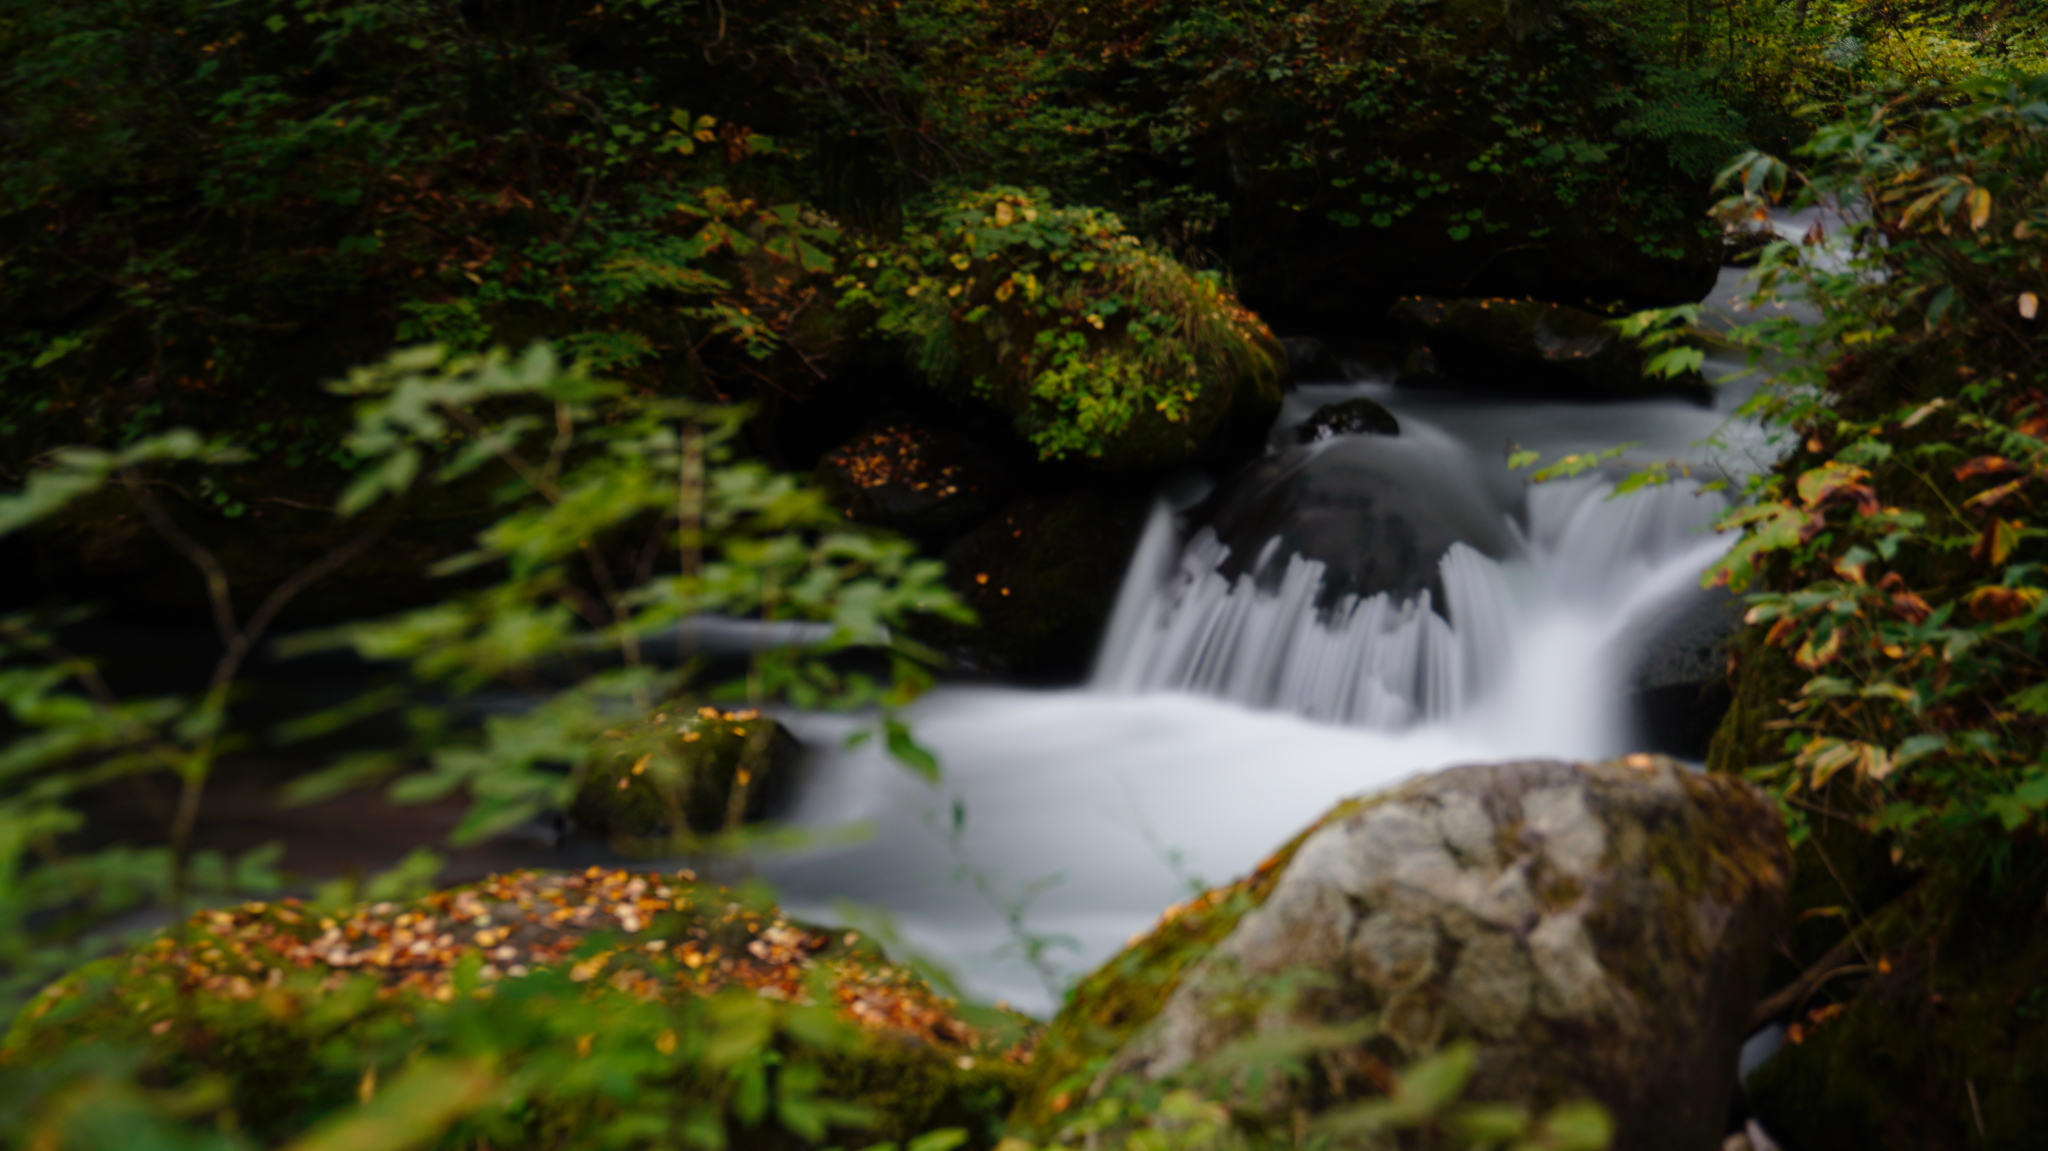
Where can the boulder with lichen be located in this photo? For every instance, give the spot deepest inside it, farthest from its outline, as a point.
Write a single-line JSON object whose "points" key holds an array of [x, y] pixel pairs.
{"points": [[1598, 931]]}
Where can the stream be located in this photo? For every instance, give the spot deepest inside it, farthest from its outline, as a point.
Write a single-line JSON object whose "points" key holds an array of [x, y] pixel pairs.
{"points": [[1251, 676]]}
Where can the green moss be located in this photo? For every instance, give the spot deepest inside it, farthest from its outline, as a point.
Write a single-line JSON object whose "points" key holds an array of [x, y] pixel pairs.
{"points": [[703, 772], [1107, 1008], [1096, 344], [606, 994]]}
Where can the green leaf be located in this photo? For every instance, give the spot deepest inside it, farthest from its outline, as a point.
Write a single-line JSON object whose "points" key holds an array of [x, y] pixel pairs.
{"points": [[1673, 362], [58, 348], [1579, 1126], [413, 1111], [908, 752], [943, 1139]]}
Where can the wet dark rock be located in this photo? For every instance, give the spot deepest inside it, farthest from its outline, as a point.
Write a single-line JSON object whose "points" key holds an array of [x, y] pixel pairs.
{"points": [[1378, 511], [1597, 930], [1354, 417], [1309, 361], [908, 476], [1419, 369], [1042, 576], [1527, 348]]}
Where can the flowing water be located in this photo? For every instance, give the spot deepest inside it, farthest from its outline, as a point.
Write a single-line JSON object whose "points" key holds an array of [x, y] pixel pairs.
{"points": [[1246, 684]]}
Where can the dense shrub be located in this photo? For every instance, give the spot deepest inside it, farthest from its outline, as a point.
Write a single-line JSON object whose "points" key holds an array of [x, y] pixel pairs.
{"points": [[1096, 344]]}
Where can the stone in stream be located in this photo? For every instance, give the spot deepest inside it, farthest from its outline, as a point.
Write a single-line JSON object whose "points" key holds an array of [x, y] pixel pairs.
{"points": [[1378, 511], [1353, 417], [680, 770], [1598, 930]]}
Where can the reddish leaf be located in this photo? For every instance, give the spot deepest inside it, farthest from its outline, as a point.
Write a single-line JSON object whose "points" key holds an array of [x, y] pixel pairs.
{"points": [[1985, 499], [1998, 540], [1985, 466]]}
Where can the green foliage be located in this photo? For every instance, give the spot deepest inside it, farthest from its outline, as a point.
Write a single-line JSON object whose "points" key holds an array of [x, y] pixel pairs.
{"points": [[619, 518], [1791, 68], [604, 490], [1895, 555], [398, 1027], [1098, 344], [1205, 1108], [208, 202]]}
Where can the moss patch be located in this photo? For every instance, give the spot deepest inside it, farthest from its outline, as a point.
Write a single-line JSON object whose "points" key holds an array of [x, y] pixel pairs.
{"points": [[1107, 1008], [298, 1010], [700, 771]]}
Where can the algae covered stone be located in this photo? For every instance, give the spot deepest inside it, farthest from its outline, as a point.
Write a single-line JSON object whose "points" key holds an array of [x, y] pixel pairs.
{"points": [[1598, 930], [582, 1002], [1097, 345], [684, 771]]}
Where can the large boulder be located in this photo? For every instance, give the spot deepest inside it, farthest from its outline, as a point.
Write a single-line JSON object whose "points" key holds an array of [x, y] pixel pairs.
{"points": [[580, 999], [1041, 578], [1598, 930], [1379, 512], [1097, 345]]}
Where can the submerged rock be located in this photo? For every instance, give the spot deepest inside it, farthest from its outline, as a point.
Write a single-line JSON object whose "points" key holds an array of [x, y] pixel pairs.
{"points": [[1598, 930], [1355, 417], [1378, 512], [912, 478]]}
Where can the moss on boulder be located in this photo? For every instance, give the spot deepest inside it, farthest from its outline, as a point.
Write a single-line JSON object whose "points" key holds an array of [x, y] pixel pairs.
{"points": [[593, 982], [1097, 345], [682, 771]]}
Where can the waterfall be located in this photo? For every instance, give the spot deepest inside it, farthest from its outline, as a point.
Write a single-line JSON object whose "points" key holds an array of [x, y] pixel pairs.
{"points": [[1373, 661], [1382, 661], [1264, 658]]}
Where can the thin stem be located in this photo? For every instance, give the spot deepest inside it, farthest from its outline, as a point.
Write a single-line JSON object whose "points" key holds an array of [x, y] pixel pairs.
{"points": [[689, 528], [195, 765]]}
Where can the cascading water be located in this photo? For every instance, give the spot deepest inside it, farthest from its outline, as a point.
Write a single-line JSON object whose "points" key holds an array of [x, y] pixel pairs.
{"points": [[1245, 685]]}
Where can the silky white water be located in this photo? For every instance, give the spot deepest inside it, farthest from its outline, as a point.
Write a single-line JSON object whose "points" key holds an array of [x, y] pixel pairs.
{"points": [[1225, 715]]}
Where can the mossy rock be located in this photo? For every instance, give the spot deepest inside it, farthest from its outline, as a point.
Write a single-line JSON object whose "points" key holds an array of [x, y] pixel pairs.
{"points": [[629, 974], [1042, 577], [1597, 930], [680, 770], [1924, 1041], [1097, 345]]}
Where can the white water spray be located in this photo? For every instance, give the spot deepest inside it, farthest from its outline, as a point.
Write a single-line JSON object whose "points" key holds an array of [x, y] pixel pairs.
{"points": [[1228, 712]]}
